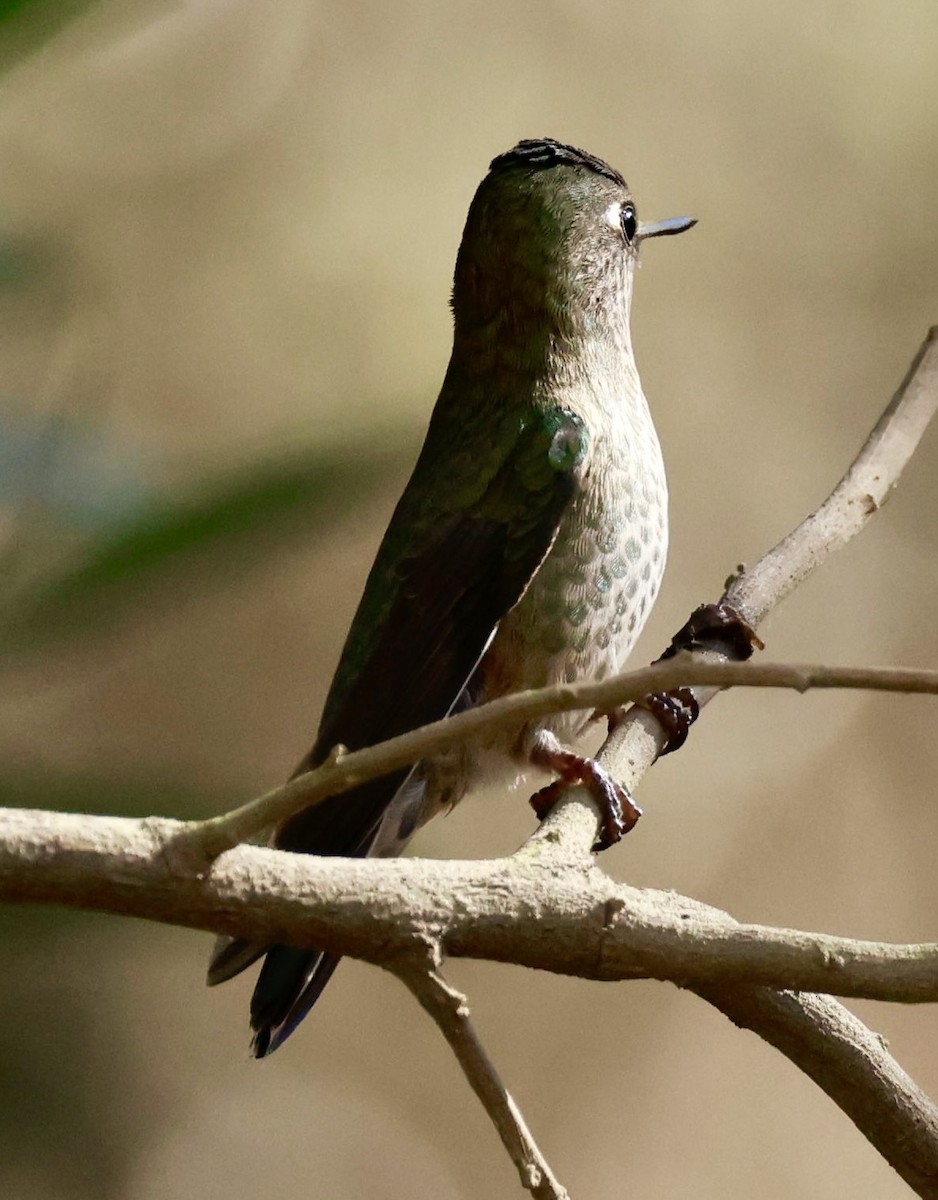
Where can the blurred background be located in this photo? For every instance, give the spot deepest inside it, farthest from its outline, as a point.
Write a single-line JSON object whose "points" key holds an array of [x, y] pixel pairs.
{"points": [[227, 233]]}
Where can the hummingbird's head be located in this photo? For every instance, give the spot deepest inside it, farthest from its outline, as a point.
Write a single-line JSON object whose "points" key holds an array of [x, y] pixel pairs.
{"points": [[550, 242]]}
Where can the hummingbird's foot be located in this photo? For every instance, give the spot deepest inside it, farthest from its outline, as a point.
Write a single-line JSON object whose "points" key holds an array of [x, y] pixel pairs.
{"points": [[675, 712], [716, 627], [618, 810], [711, 627]]}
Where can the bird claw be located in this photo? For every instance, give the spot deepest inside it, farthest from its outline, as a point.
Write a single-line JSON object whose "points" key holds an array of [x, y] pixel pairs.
{"points": [[710, 627], [675, 712], [716, 627], [619, 812]]}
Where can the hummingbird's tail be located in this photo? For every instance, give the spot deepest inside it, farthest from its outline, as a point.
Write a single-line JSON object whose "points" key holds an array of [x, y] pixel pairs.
{"points": [[288, 986], [378, 818]]}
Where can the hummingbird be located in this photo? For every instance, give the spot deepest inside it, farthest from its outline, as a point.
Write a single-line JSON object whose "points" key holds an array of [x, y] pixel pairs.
{"points": [[527, 548]]}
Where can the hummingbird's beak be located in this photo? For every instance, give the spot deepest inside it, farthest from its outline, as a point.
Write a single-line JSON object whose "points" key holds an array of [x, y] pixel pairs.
{"points": [[647, 229]]}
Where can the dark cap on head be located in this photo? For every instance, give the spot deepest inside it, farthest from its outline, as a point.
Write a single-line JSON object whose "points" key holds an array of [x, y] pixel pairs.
{"points": [[540, 153]]}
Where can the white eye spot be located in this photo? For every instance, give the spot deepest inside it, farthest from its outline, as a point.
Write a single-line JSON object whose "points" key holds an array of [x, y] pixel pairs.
{"points": [[613, 215]]}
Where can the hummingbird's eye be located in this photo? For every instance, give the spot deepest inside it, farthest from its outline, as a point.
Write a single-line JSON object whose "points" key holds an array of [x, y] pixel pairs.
{"points": [[629, 221]]}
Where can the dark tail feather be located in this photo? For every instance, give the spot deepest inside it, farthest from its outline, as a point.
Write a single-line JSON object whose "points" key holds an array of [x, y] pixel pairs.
{"points": [[378, 817], [287, 988], [230, 956]]}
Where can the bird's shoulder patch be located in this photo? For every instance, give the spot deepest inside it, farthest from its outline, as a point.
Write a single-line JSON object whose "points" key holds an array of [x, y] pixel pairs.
{"points": [[553, 441], [569, 440]]}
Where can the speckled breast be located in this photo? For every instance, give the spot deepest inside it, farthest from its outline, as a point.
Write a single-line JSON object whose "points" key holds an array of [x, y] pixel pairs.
{"points": [[586, 605]]}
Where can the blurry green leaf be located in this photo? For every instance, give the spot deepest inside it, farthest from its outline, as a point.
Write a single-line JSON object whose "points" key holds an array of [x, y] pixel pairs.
{"points": [[304, 494], [50, 13], [22, 259], [10, 8], [25, 25]]}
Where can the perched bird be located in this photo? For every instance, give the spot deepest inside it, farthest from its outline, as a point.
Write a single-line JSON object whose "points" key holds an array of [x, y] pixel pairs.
{"points": [[529, 544]]}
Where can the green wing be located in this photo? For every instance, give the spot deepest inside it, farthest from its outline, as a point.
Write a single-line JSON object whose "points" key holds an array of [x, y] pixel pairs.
{"points": [[468, 534], [471, 529]]}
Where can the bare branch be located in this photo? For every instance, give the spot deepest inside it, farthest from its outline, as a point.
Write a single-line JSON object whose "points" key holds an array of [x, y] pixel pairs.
{"points": [[534, 908], [525, 910], [450, 1009], [205, 840], [865, 488]]}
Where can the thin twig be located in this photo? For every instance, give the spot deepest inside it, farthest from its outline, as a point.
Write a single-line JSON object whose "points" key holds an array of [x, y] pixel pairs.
{"points": [[450, 1009], [864, 489], [205, 840]]}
